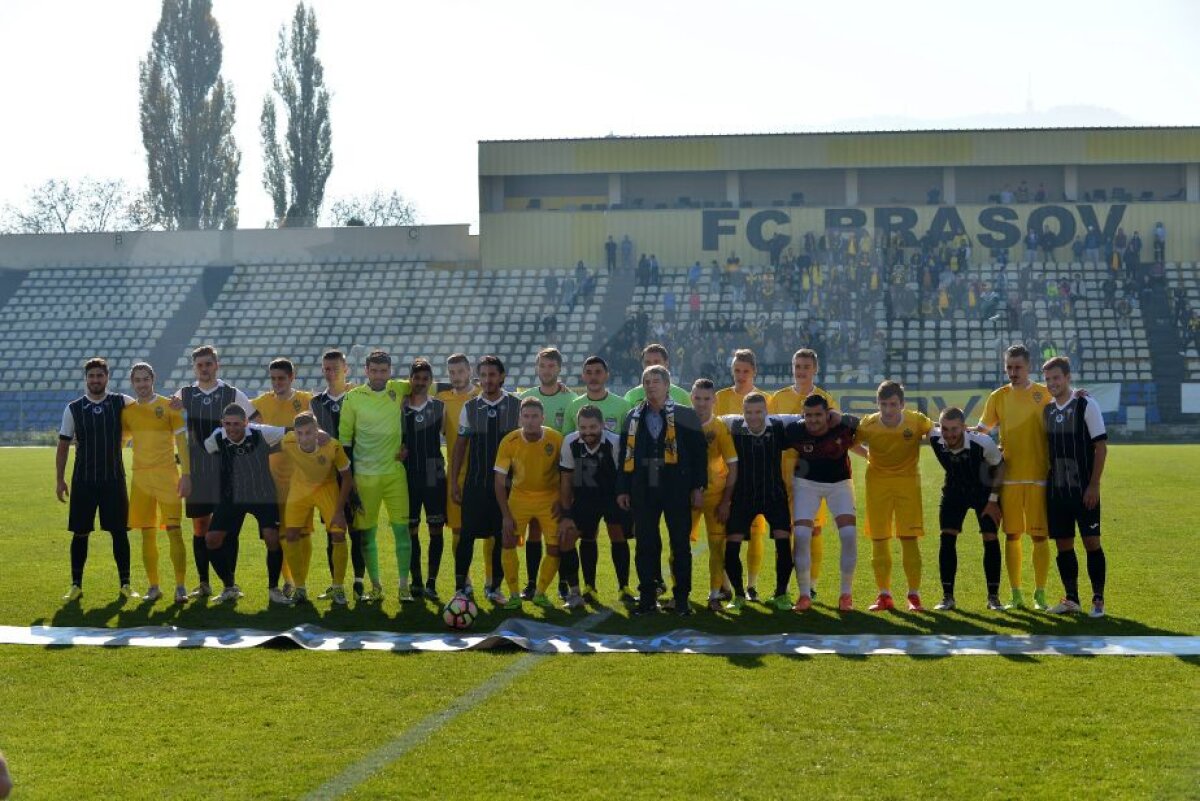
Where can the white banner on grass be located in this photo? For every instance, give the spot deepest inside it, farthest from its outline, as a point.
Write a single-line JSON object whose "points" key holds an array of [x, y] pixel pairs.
{"points": [[547, 639]]}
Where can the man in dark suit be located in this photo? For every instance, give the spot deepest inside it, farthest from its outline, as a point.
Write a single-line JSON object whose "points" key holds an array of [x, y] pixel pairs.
{"points": [[663, 474]]}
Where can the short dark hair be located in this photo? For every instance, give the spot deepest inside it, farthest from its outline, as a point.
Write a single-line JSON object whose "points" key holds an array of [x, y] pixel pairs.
{"points": [[234, 410], [333, 354], [204, 350], [815, 401], [1061, 362], [305, 418], [95, 363], [458, 358], [379, 357], [754, 397], [1017, 351], [141, 366], [596, 360], [532, 401], [553, 354], [284, 365], [490, 359], [654, 347], [420, 365], [746, 355], [703, 383], [806, 353], [953, 413], [591, 411], [890, 389]]}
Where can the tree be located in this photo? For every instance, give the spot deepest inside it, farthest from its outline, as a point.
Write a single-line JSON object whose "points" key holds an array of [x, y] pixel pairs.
{"points": [[187, 112], [88, 205], [296, 181], [374, 209]]}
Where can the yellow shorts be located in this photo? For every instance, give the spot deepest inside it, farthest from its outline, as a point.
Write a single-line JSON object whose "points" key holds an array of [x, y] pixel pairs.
{"points": [[390, 491], [527, 507], [712, 526], [154, 498], [1024, 509], [283, 489], [303, 498], [894, 507]]}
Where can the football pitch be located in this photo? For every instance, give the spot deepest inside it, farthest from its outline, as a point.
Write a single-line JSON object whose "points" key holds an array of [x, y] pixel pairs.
{"points": [[93, 722]]}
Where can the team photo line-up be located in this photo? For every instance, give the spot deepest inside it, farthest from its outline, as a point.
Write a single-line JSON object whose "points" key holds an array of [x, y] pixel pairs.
{"points": [[541, 470]]}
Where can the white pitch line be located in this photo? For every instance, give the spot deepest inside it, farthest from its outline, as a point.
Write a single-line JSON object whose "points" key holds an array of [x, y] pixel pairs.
{"points": [[381, 757]]}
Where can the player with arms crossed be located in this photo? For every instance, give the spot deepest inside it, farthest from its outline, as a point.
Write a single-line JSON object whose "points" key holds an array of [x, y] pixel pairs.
{"points": [[1078, 452], [974, 475], [718, 495]]}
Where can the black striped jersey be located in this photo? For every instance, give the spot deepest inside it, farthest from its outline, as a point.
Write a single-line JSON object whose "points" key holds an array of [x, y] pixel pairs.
{"points": [[245, 466], [1072, 431], [484, 423], [423, 438], [970, 468], [760, 460], [95, 426], [824, 458], [593, 470], [202, 412], [327, 409]]}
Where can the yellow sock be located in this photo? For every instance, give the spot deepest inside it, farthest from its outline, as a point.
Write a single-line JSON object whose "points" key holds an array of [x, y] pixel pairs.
{"points": [[754, 554], [716, 561], [178, 555], [1041, 562], [150, 554], [547, 572], [1012, 561], [508, 558], [340, 555], [881, 563], [910, 555], [817, 549], [489, 547], [286, 572], [304, 558], [291, 559]]}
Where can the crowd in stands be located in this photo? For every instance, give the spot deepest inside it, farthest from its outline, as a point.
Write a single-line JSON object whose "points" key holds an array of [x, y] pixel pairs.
{"points": [[564, 293]]}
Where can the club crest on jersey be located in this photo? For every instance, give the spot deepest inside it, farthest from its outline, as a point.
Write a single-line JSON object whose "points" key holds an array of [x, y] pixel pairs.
{"points": [[158, 412], [1058, 418], [321, 460], [610, 423], [420, 418], [710, 436], [295, 406], [1037, 395], [97, 410], [908, 433], [207, 401], [491, 412], [392, 394], [549, 449], [808, 448]]}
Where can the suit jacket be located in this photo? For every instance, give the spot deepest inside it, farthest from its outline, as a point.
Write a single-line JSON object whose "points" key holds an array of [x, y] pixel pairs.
{"points": [[651, 474]]}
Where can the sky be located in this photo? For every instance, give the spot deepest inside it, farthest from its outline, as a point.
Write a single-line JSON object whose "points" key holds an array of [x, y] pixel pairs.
{"points": [[415, 86]]}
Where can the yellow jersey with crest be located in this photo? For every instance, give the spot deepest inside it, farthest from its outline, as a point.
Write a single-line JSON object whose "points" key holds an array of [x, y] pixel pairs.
{"points": [[729, 400], [894, 450], [1018, 412], [152, 427]]}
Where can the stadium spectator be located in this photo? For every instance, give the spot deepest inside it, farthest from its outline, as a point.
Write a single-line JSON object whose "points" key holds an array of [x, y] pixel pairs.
{"points": [[655, 275], [1023, 192], [1077, 249], [1040, 195], [1006, 195], [1109, 288], [626, 253], [550, 283], [669, 306], [643, 271], [587, 292], [1160, 243], [1031, 245], [1125, 313], [550, 323], [610, 255], [1133, 255], [694, 274], [1029, 322], [1046, 240], [567, 294], [1194, 331], [1091, 244], [1074, 352], [580, 273]]}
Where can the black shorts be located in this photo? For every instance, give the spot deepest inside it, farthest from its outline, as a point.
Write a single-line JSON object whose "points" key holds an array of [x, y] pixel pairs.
{"points": [[426, 492], [206, 493], [953, 511], [742, 514], [1065, 512], [229, 517], [109, 498], [481, 516], [587, 515]]}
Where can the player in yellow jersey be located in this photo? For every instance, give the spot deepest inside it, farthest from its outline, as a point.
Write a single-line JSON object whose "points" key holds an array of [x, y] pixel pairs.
{"points": [[279, 407], [527, 489], [722, 476], [1017, 409], [158, 432], [744, 369], [462, 389], [790, 400], [893, 438], [315, 484]]}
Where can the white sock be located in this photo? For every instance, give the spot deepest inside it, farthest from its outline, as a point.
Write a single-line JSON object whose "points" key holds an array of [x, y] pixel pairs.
{"points": [[848, 536], [802, 557]]}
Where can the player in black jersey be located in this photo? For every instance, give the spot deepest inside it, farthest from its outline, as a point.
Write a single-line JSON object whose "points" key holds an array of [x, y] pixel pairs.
{"points": [[974, 474], [426, 468], [760, 440], [327, 408], [93, 423], [588, 494], [1078, 451], [484, 421]]}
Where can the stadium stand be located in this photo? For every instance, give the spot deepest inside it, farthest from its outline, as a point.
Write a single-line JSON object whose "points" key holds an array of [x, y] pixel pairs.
{"points": [[1184, 281]]}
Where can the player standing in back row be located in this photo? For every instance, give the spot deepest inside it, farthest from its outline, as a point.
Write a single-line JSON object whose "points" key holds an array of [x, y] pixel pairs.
{"points": [[426, 468]]}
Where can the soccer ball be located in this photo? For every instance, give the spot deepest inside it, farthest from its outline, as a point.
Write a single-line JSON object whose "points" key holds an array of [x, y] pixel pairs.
{"points": [[460, 613]]}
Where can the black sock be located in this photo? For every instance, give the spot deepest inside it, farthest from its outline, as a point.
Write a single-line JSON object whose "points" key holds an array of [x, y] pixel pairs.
{"points": [[589, 560], [437, 544], [329, 552], [991, 566], [1068, 571], [948, 563], [733, 566], [120, 548], [1097, 568], [200, 553], [217, 558], [79, 549], [414, 562], [462, 560], [230, 550], [274, 567], [533, 559], [356, 555], [784, 564], [620, 558], [568, 567]]}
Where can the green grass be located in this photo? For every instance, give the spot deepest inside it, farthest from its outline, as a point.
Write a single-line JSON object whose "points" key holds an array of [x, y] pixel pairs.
{"points": [[145, 723]]}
